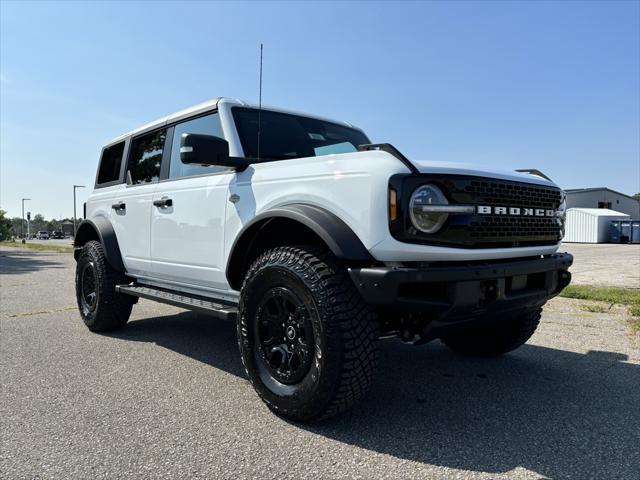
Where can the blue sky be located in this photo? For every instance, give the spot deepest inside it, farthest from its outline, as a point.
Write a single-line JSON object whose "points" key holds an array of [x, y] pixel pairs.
{"points": [[550, 85]]}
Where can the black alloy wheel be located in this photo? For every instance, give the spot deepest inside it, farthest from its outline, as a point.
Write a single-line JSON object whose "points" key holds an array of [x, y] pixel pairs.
{"points": [[88, 291], [285, 333]]}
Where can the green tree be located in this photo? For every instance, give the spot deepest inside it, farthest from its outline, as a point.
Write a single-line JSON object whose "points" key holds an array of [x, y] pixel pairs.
{"points": [[16, 223], [5, 226], [38, 223], [53, 225], [637, 196]]}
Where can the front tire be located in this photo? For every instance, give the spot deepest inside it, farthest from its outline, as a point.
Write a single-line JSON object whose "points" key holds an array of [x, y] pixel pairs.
{"points": [[101, 307], [497, 338], [307, 340]]}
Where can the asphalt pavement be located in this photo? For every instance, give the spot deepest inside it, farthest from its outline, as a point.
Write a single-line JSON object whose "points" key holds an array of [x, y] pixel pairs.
{"points": [[605, 264], [166, 397]]}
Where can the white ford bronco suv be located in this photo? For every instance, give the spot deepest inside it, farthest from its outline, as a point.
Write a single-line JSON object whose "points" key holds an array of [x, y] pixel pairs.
{"points": [[317, 243]]}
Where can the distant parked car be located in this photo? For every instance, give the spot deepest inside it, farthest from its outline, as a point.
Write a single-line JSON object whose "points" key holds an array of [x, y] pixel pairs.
{"points": [[42, 235], [57, 234]]}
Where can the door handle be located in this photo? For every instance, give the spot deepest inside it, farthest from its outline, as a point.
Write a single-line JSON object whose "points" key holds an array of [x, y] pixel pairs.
{"points": [[163, 202], [119, 206]]}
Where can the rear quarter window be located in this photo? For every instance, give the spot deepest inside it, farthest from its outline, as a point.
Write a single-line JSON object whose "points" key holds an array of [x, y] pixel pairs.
{"points": [[110, 162]]}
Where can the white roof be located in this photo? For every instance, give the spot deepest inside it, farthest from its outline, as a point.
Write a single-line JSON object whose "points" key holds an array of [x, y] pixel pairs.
{"points": [[200, 107], [210, 105], [599, 212]]}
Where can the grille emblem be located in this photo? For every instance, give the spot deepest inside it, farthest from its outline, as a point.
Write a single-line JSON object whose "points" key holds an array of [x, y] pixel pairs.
{"points": [[515, 211]]}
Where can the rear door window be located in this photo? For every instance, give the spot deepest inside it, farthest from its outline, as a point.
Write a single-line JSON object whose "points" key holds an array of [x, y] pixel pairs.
{"points": [[146, 157]]}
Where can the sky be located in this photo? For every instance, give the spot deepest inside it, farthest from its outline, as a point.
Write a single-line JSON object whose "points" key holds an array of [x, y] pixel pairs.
{"points": [[547, 85]]}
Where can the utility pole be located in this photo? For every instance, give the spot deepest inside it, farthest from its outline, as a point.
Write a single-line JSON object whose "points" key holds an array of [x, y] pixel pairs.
{"points": [[74, 208], [22, 224]]}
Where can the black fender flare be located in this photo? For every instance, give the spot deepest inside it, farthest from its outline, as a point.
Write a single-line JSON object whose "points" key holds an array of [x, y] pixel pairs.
{"points": [[334, 232], [101, 228]]}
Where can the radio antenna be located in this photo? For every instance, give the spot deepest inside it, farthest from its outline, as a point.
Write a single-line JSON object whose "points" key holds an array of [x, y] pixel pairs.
{"points": [[260, 103]]}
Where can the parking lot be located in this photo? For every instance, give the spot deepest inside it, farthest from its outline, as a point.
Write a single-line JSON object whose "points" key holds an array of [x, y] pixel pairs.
{"points": [[167, 398], [605, 264]]}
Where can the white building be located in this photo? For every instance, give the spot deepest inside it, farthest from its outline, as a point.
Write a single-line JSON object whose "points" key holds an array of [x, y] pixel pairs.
{"points": [[590, 225], [603, 197]]}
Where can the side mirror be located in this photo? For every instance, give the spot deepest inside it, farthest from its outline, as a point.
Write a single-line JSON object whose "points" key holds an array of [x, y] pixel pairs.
{"points": [[201, 149]]}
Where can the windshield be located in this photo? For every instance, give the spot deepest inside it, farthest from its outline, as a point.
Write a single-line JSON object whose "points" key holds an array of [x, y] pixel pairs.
{"points": [[284, 135]]}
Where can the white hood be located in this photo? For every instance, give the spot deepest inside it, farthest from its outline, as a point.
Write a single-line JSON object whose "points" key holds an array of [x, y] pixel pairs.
{"points": [[426, 166]]}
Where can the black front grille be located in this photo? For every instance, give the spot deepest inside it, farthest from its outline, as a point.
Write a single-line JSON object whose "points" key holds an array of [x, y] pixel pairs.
{"points": [[514, 194], [482, 231], [526, 228]]}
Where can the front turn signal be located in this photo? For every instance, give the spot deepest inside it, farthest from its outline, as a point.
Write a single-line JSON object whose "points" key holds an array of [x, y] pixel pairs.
{"points": [[393, 205]]}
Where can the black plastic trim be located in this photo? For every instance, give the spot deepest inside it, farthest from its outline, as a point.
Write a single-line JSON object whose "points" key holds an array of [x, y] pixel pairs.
{"points": [[387, 147], [335, 233], [533, 171], [462, 285], [101, 227], [210, 306], [166, 155]]}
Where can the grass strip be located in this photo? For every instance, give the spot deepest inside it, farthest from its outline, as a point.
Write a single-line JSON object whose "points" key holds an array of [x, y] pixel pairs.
{"points": [[594, 307], [622, 296], [38, 247]]}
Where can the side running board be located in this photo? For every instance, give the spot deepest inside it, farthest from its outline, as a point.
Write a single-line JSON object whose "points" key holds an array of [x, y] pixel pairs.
{"points": [[182, 300]]}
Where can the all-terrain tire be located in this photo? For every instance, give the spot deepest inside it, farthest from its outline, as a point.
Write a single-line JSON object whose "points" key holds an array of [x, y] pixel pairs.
{"points": [[101, 307], [496, 338], [341, 328]]}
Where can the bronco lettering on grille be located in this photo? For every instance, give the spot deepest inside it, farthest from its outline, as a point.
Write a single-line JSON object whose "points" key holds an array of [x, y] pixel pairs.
{"points": [[515, 211]]}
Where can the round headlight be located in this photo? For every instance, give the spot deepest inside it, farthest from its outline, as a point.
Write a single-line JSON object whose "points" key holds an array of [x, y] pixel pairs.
{"points": [[424, 220]]}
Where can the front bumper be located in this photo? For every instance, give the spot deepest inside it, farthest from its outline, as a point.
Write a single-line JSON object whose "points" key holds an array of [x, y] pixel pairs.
{"points": [[464, 291]]}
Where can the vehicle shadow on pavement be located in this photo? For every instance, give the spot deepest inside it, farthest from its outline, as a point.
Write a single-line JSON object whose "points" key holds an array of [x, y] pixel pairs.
{"points": [[557, 413], [16, 262], [198, 336]]}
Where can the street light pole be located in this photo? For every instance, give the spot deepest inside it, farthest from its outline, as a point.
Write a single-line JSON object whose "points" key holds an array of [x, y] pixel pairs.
{"points": [[22, 224], [74, 208]]}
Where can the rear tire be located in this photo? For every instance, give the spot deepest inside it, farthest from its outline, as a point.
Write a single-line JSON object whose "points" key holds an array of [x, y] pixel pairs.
{"points": [[495, 339], [307, 340], [101, 307]]}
